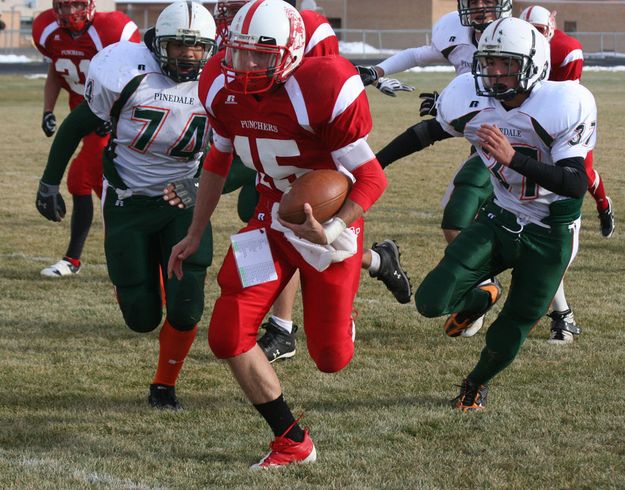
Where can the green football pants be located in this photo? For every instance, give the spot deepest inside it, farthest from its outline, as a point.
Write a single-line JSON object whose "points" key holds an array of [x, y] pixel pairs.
{"points": [[495, 242], [139, 235], [471, 188]]}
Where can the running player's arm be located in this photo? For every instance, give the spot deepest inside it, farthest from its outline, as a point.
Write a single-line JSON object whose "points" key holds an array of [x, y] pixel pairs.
{"points": [[78, 124], [566, 178], [414, 139]]}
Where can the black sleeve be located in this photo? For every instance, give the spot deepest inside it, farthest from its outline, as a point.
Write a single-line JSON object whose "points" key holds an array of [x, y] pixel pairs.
{"points": [[78, 124], [566, 178], [414, 139]]}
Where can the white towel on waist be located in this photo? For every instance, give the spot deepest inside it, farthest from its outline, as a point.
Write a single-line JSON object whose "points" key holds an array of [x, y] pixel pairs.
{"points": [[318, 256]]}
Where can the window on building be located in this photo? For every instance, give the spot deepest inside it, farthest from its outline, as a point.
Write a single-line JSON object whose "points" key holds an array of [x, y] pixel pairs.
{"points": [[570, 26]]}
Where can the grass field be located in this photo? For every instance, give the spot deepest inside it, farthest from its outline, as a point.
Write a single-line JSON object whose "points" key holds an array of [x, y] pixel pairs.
{"points": [[74, 379]]}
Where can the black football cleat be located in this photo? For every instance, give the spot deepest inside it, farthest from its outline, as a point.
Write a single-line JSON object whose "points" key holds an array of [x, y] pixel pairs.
{"points": [[606, 219], [457, 323], [390, 272], [276, 342], [163, 397], [563, 327], [472, 397]]}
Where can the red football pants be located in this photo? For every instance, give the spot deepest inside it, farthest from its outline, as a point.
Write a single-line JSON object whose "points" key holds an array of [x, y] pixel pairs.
{"points": [[85, 171], [327, 298]]}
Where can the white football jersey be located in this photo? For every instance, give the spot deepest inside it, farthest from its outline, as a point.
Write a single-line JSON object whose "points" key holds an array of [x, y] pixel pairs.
{"points": [[456, 42], [557, 121], [160, 126]]}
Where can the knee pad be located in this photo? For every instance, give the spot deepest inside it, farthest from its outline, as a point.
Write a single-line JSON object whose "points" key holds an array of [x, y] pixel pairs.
{"points": [[185, 298], [431, 298], [141, 307], [332, 358]]}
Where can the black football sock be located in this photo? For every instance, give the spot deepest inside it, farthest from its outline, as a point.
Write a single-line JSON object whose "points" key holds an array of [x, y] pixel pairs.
{"points": [[82, 216], [279, 417]]}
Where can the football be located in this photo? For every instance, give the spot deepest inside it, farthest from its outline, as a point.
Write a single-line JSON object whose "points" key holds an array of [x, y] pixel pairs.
{"points": [[325, 190]]}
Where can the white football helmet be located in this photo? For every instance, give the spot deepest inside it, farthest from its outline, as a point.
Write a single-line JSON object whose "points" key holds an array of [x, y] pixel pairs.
{"points": [[264, 46], [543, 20], [473, 12], [190, 23], [518, 43]]}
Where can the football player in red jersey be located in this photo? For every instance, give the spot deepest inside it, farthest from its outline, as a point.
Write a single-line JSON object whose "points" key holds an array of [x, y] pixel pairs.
{"points": [[567, 61], [70, 34], [264, 101], [279, 339]]}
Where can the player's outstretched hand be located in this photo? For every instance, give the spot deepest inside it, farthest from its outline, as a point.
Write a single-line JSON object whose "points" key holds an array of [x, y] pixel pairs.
{"points": [[181, 251], [495, 143], [48, 123], [49, 202], [310, 229], [182, 193], [388, 86], [428, 104]]}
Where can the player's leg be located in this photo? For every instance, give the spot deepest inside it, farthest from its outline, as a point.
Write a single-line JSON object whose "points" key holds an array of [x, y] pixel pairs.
{"points": [[528, 299], [132, 257], [278, 341], [469, 189], [232, 336], [185, 305], [453, 286], [328, 299], [603, 202], [85, 171]]}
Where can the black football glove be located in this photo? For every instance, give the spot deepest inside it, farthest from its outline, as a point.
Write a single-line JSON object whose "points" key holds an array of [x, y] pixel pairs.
{"points": [[388, 86], [368, 75], [103, 129], [186, 191], [428, 105], [48, 123], [49, 202]]}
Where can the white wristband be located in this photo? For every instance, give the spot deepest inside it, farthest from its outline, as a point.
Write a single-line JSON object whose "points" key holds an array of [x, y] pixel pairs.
{"points": [[333, 229]]}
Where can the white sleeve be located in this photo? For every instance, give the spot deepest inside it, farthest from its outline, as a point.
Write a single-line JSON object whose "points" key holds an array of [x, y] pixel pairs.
{"points": [[581, 136], [412, 57]]}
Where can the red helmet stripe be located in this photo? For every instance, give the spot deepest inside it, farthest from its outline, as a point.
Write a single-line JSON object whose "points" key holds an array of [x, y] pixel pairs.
{"points": [[250, 14], [529, 13]]}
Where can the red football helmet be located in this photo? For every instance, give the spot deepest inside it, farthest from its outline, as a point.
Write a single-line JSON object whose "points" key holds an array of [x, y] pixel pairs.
{"points": [[264, 46], [74, 15], [224, 12]]}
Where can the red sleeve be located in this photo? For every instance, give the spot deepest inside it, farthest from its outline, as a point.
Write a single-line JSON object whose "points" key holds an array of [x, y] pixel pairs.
{"points": [[370, 184], [116, 26], [571, 71], [218, 162], [320, 38], [44, 19]]}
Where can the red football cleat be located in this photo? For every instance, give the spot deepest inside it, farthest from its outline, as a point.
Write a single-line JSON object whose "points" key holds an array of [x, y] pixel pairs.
{"points": [[286, 451]]}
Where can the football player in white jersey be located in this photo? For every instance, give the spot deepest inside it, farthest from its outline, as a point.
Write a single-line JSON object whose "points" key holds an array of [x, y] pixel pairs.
{"points": [[148, 92], [533, 136]]}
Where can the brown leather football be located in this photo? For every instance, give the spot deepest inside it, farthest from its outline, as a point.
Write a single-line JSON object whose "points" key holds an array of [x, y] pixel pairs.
{"points": [[325, 190]]}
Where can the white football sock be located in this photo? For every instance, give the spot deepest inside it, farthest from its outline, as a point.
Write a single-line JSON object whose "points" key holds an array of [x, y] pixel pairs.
{"points": [[283, 324], [375, 262], [559, 300]]}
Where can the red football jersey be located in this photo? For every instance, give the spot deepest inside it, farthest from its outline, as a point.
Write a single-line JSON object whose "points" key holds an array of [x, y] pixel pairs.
{"points": [[320, 37], [306, 123], [567, 58], [70, 55]]}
